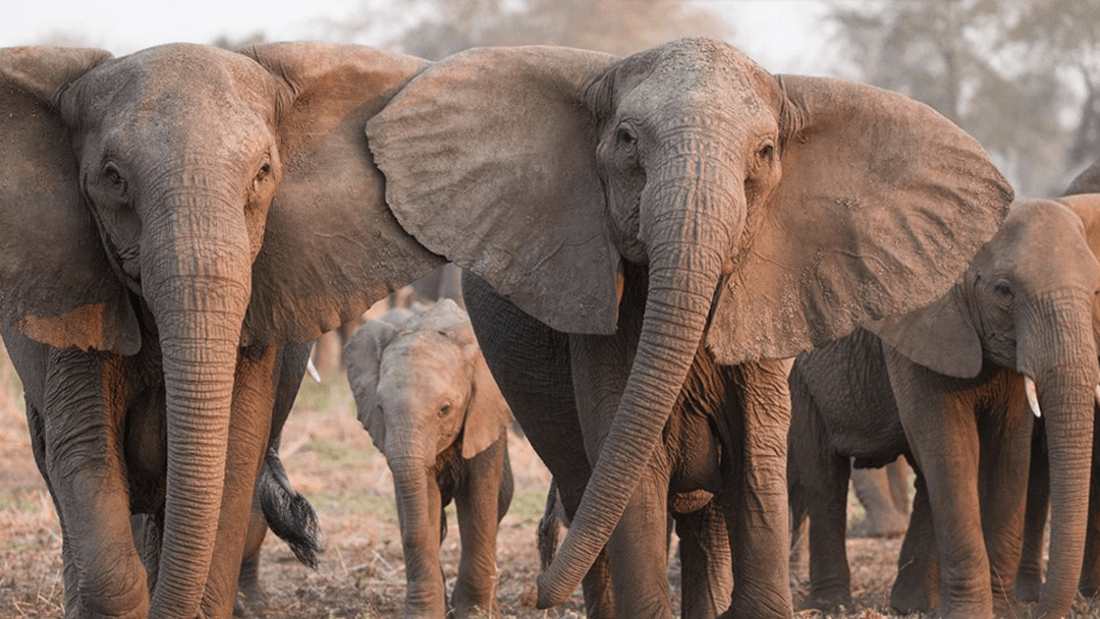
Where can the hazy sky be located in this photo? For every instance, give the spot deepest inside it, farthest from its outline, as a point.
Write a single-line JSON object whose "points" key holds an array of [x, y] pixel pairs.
{"points": [[784, 35]]}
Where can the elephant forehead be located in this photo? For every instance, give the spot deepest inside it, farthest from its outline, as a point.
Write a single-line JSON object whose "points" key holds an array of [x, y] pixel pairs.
{"points": [[1043, 242], [427, 361]]}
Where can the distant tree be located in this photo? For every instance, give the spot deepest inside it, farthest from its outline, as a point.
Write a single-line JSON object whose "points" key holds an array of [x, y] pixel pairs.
{"points": [[974, 62], [437, 28]]}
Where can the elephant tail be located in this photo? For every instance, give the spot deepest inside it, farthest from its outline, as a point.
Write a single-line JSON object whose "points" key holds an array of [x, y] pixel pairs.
{"points": [[288, 513]]}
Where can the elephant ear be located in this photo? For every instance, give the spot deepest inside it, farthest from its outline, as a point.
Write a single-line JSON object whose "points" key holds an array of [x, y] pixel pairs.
{"points": [[488, 415], [363, 354], [331, 245], [939, 337], [505, 131], [56, 286], [881, 206]]}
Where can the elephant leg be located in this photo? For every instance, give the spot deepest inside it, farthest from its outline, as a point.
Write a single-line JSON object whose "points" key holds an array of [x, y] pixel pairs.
{"points": [[1090, 572], [1029, 578], [70, 575], [761, 523], [916, 588], [250, 594], [901, 481], [249, 426], [148, 530], [882, 518], [83, 419], [943, 434], [830, 579], [706, 565], [1005, 460], [531, 365], [818, 487], [479, 509]]}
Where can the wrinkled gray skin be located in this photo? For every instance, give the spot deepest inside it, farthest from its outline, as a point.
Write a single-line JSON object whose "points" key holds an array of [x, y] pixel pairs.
{"points": [[1029, 578], [62, 389], [944, 387], [633, 218], [426, 397], [191, 210]]}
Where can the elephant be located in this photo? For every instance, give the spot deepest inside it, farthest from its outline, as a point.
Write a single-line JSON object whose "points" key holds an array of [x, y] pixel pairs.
{"points": [[193, 210], [426, 397], [621, 220], [1029, 576], [949, 387]]}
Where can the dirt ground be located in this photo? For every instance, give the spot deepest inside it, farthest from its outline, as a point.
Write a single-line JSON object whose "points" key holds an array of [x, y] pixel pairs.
{"points": [[331, 460]]}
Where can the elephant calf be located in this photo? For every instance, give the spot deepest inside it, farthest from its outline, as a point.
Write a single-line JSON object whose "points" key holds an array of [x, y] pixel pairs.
{"points": [[429, 403]]}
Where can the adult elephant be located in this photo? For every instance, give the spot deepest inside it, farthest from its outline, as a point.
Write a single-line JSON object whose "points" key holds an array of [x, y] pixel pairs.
{"points": [[748, 216], [945, 386], [199, 207]]}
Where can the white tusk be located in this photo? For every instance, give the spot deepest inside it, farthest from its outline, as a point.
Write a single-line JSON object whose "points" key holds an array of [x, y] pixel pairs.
{"points": [[1098, 394], [315, 375], [1032, 399]]}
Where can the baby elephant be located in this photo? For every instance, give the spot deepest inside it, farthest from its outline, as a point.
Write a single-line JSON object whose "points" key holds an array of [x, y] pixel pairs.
{"points": [[425, 395]]}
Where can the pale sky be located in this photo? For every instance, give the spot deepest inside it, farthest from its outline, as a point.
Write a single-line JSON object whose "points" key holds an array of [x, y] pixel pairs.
{"points": [[783, 35]]}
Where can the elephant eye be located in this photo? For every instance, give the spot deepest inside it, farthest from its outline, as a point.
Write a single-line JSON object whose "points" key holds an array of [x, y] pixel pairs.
{"points": [[1003, 290], [766, 151], [626, 136], [262, 174], [445, 410], [114, 179]]}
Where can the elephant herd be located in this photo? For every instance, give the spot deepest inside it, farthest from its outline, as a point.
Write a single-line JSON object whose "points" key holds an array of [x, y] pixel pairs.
{"points": [[647, 243]]}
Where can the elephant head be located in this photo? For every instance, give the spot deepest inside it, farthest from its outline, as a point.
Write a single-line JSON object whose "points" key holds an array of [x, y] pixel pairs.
{"points": [[1027, 303], [421, 384], [180, 186], [773, 212]]}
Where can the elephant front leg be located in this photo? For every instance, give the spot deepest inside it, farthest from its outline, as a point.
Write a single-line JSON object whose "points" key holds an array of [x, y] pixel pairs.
{"points": [[1029, 577], [249, 426], [916, 588], [83, 417], [706, 574], [1005, 450], [761, 528], [638, 548], [940, 424], [479, 513]]}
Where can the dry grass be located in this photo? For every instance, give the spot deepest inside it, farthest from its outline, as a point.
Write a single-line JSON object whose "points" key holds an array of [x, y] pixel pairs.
{"points": [[331, 460]]}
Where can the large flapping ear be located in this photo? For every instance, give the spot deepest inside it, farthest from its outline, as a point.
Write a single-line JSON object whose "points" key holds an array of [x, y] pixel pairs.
{"points": [[56, 285], [363, 354], [939, 337], [490, 160], [881, 206], [1087, 181], [331, 246]]}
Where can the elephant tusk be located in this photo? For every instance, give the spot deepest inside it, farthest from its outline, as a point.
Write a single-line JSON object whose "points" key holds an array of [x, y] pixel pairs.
{"points": [[315, 375], [1098, 395], [1033, 399]]}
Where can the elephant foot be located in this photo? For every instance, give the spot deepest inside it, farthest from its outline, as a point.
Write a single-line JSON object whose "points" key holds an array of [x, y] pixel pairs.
{"points": [[1028, 588], [826, 601], [910, 600], [251, 602]]}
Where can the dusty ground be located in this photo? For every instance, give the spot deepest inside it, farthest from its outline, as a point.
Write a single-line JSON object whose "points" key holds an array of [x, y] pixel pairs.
{"points": [[332, 461]]}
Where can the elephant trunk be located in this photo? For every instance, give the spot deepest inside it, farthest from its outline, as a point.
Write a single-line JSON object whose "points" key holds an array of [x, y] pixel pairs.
{"points": [[1058, 352], [689, 220], [419, 538], [196, 277]]}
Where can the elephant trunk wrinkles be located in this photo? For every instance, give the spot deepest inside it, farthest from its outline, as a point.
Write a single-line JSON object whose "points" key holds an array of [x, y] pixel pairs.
{"points": [[196, 277], [1058, 351], [419, 538], [694, 208]]}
